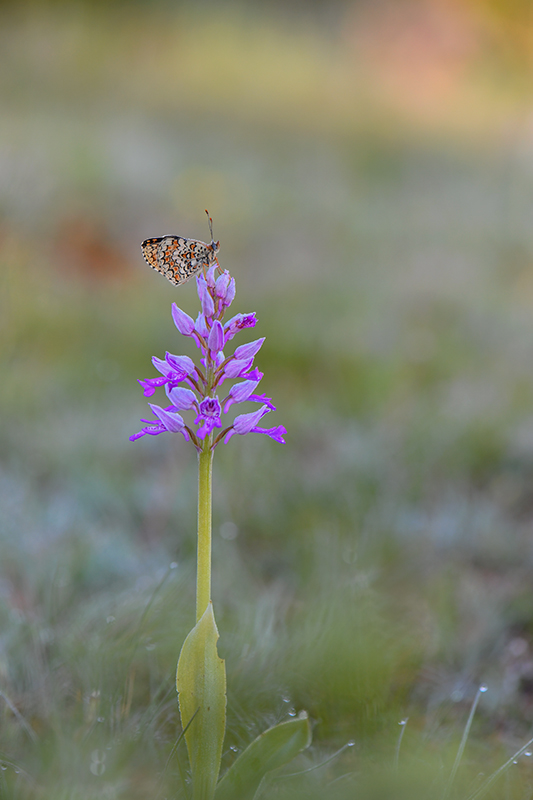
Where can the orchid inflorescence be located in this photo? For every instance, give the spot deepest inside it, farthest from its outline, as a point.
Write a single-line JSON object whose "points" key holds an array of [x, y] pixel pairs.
{"points": [[190, 387]]}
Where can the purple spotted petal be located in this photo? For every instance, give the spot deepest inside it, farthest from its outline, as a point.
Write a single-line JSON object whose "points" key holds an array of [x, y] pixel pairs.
{"points": [[238, 323], [152, 430], [208, 416], [208, 408], [254, 375], [151, 384], [276, 433], [262, 398]]}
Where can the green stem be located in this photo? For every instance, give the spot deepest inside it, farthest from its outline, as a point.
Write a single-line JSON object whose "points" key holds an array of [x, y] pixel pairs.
{"points": [[203, 577]]}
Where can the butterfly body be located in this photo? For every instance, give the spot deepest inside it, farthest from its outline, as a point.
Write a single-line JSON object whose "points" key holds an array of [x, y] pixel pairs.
{"points": [[178, 258]]}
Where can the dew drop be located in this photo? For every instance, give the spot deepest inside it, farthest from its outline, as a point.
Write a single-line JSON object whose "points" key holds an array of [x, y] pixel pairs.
{"points": [[291, 712], [234, 748], [100, 719], [286, 699], [229, 531], [173, 565], [403, 722], [351, 743], [483, 688], [515, 761], [3, 767], [528, 753]]}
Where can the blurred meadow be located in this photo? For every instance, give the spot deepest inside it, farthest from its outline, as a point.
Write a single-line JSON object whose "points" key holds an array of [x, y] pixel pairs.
{"points": [[369, 170]]}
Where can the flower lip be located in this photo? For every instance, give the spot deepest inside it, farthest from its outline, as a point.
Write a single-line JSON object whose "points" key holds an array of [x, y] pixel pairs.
{"points": [[151, 384], [208, 416], [208, 408]]}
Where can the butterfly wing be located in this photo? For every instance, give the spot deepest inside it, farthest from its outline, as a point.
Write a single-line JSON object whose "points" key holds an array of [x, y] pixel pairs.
{"points": [[149, 251], [178, 258]]}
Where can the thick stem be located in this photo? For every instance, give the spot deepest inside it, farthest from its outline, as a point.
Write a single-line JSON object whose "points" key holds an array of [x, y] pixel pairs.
{"points": [[203, 577]]}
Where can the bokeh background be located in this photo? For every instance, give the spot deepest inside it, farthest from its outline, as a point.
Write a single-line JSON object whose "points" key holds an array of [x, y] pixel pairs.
{"points": [[369, 169]]}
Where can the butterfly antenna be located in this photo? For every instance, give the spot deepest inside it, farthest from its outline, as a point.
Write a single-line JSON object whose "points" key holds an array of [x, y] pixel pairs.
{"points": [[210, 224], [214, 244]]}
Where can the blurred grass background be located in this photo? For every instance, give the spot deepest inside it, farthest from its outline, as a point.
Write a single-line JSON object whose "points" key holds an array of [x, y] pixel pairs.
{"points": [[369, 169]]}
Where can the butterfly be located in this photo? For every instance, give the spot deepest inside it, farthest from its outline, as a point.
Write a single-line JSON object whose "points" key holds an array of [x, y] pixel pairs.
{"points": [[178, 258]]}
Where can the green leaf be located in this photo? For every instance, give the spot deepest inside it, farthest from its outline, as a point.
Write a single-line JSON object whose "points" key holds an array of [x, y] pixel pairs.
{"points": [[272, 749], [201, 684]]}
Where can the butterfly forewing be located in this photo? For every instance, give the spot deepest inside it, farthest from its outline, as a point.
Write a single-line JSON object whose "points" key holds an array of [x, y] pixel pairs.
{"points": [[178, 258]]}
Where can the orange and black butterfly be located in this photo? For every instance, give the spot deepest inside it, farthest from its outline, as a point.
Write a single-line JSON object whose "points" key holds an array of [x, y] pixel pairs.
{"points": [[178, 258]]}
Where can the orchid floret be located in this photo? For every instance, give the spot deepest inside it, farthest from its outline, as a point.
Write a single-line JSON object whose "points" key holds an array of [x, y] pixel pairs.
{"points": [[182, 321], [230, 294], [182, 398], [215, 340], [221, 285], [249, 350]]}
